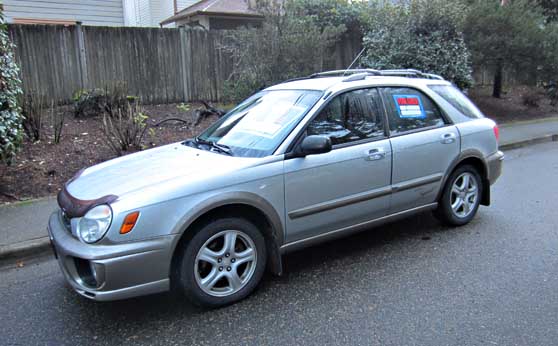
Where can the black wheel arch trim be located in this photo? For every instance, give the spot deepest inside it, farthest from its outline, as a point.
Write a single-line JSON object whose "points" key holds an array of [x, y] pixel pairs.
{"points": [[464, 155], [250, 200]]}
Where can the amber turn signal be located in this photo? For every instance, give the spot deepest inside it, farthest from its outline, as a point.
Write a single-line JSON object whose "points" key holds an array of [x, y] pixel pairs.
{"points": [[129, 222]]}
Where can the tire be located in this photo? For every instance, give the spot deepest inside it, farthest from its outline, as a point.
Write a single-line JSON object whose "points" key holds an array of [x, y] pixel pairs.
{"points": [[211, 272], [450, 211]]}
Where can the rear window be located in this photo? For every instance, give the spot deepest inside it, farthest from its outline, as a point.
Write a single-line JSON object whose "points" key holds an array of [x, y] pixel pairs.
{"points": [[459, 101]]}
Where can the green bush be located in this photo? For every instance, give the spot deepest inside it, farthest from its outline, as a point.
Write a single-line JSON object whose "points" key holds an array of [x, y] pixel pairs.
{"points": [[550, 9], [509, 37], [420, 34], [329, 12], [89, 103], [11, 130], [111, 100], [549, 70], [286, 46]]}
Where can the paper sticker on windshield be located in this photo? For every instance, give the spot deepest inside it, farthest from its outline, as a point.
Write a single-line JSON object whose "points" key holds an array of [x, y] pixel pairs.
{"points": [[409, 106], [260, 128]]}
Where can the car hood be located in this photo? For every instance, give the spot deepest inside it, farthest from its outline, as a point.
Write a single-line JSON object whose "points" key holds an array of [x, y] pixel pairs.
{"points": [[136, 171]]}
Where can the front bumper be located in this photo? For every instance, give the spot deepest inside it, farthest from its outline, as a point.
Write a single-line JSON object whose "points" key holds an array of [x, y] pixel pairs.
{"points": [[494, 165], [121, 271]]}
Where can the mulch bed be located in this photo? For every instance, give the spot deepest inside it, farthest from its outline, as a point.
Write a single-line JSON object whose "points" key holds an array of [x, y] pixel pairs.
{"points": [[510, 107], [43, 167]]}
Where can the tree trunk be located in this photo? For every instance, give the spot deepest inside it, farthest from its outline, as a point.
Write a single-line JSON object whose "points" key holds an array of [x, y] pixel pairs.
{"points": [[497, 89]]}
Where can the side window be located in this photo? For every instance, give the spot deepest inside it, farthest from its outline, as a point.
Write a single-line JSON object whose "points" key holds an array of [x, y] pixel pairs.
{"points": [[349, 117], [457, 100], [408, 109]]}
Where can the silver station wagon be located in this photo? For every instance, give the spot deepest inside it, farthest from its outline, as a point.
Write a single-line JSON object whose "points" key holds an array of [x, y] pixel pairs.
{"points": [[295, 164]]}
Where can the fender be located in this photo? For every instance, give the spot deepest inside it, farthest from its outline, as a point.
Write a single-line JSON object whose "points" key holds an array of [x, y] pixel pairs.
{"points": [[242, 198], [466, 154]]}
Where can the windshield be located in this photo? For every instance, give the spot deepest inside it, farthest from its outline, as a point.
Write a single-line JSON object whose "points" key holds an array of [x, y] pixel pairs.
{"points": [[257, 126]]}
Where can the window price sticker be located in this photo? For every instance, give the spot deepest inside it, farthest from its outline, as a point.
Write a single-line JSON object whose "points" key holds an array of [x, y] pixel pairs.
{"points": [[409, 106]]}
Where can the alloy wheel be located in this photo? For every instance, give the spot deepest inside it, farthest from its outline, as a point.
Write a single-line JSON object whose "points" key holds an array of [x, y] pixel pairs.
{"points": [[464, 195], [225, 263]]}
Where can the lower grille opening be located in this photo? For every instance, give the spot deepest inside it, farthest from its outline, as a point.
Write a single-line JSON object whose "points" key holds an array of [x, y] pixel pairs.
{"points": [[86, 272]]}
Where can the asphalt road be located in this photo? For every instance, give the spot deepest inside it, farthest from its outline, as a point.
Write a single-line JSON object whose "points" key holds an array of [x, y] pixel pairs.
{"points": [[492, 282]]}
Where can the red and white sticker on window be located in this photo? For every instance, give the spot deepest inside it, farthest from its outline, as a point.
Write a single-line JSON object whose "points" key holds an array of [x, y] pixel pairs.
{"points": [[409, 106]]}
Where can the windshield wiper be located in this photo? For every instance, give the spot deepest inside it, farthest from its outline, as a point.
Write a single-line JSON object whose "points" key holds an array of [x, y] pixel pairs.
{"points": [[224, 149]]}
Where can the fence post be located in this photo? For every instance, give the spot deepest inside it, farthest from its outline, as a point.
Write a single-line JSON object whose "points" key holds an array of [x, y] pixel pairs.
{"points": [[185, 75], [81, 56]]}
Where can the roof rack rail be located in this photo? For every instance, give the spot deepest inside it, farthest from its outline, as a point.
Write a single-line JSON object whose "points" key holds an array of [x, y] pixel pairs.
{"points": [[342, 73], [410, 73], [360, 74]]}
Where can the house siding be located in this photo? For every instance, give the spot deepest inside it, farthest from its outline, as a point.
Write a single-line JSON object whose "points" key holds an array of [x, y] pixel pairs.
{"points": [[166, 9], [182, 4], [151, 12], [89, 12]]}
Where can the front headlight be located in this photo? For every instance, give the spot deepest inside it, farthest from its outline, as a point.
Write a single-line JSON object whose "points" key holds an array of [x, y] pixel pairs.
{"points": [[94, 224]]}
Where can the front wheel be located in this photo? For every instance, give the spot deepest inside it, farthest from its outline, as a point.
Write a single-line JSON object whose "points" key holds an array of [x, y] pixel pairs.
{"points": [[222, 263], [461, 197]]}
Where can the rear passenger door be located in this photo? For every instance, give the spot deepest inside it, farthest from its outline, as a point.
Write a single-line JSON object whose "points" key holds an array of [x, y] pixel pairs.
{"points": [[424, 144]]}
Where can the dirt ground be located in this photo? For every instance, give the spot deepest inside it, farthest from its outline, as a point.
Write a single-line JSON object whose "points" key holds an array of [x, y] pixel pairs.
{"points": [[41, 168], [510, 107]]}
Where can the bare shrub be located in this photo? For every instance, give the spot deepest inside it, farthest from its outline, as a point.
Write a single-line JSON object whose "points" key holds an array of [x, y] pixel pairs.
{"points": [[89, 103], [531, 98], [551, 90], [125, 129], [33, 107], [57, 119], [117, 99], [111, 100]]}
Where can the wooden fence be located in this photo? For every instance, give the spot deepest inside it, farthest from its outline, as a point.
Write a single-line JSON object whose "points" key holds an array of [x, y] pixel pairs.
{"points": [[483, 76], [159, 65]]}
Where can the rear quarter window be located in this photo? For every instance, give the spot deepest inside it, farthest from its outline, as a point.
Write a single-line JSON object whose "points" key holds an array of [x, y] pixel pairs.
{"points": [[459, 101]]}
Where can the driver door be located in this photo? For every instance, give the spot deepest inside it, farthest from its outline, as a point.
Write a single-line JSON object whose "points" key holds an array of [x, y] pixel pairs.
{"points": [[348, 185]]}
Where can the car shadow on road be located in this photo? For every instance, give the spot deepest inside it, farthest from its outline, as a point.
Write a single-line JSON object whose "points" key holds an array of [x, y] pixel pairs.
{"points": [[422, 226], [391, 238]]}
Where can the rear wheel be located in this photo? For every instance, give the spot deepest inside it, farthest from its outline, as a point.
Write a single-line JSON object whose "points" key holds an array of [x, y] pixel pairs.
{"points": [[461, 197], [222, 263]]}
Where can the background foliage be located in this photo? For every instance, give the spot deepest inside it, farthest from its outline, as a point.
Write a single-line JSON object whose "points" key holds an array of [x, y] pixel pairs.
{"points": [[507, 37], [421, 34], [286, 46], [11, 130], [549, 8]]}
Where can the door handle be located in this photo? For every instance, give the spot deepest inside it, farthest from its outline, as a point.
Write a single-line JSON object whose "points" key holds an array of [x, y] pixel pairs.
{"points": [[375, 154], [448, 138]]}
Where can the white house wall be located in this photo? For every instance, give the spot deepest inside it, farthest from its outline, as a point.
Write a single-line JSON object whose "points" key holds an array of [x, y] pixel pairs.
{"points": [[89, 12], [166, 9], [96, 12]]}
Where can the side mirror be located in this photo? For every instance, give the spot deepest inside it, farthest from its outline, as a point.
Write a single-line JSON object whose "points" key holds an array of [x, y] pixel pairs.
{"points": [[312, 145]]}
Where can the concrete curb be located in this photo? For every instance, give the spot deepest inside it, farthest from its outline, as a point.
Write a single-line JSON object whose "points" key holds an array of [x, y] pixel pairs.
{"points": [[26, 248], [530, 141], [41, 245], [27, 201], [528, 122]]}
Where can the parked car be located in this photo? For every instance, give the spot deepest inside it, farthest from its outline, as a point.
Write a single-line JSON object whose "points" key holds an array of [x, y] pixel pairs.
{"points": [[295, 164]]}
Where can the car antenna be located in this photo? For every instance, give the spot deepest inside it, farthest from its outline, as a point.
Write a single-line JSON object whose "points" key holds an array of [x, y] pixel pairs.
{"points": [[356, 59]]}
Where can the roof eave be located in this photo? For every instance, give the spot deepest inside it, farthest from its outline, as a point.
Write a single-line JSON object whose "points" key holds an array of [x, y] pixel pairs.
{"points": [[178, 17]]}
